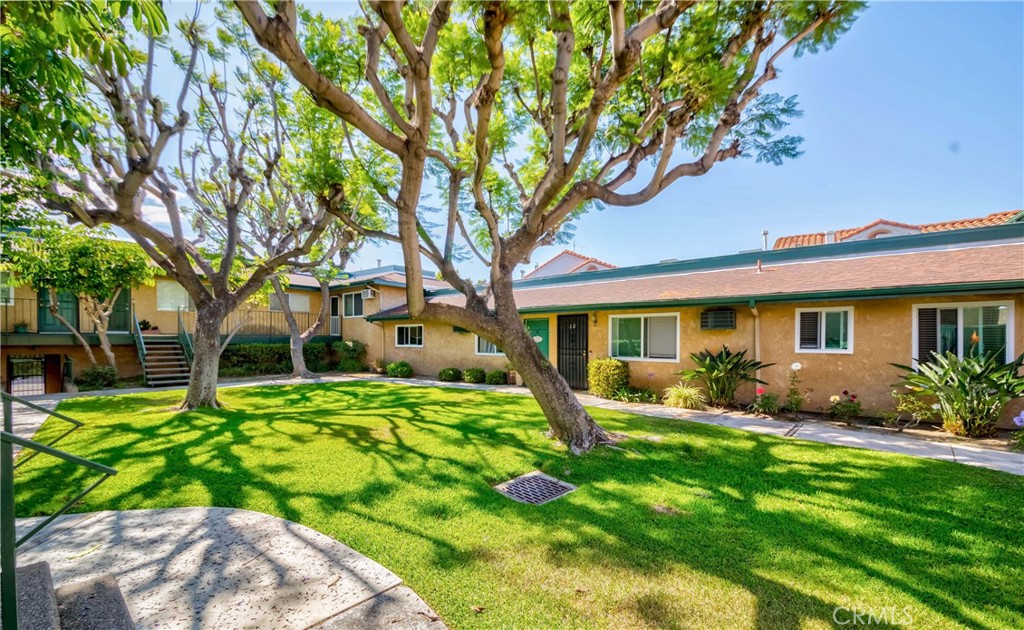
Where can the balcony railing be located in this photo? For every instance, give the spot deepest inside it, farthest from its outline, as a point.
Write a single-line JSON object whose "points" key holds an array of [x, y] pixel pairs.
{"points": [[258, 323], [22, 315]]}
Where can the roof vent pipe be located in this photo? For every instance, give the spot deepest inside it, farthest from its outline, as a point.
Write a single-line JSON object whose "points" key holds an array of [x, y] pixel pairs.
{"points": [[830, 236], [764, 240], [759, 269], [379, 262]]}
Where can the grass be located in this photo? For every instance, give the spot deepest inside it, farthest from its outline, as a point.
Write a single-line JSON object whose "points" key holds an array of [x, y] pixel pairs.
{"points": [[706, 527]]}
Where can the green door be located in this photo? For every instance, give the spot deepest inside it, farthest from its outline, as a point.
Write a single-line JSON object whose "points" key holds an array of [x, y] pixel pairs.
{"points": [[538, 329], [121, 313], [67, 306]]}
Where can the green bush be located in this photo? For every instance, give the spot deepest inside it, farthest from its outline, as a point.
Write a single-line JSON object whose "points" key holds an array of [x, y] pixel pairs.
{"points": [[450, 375], [607, 376], [474, 375], [350, 365], [636, 395], [254, 359], [765, 404], [497, 377], [685, 397], [971, 392], [351, 349], [399, 369], [722, 372], [97, 377]]}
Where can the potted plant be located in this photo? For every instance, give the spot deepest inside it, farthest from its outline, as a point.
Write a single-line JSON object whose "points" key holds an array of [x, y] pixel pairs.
{"points": [[21, 327], [380, 366], [513, 376]]}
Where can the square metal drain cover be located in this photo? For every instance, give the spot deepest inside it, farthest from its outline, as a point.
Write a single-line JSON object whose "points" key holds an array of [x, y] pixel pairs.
{"points": [[534, 488]]}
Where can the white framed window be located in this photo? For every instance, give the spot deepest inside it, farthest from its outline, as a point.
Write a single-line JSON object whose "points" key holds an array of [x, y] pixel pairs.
{"points": [[352, 305], [299, 303], [644, 337], [409, 336], [484, 347], [6, 291], [965, 328], [825, 330], [170, 296]]}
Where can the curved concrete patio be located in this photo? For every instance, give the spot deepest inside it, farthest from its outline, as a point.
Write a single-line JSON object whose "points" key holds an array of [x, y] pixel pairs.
{"points": [[225, 568]]}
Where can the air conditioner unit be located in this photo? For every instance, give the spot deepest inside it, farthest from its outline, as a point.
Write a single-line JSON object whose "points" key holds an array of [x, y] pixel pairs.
{"points": [[368, 294]]}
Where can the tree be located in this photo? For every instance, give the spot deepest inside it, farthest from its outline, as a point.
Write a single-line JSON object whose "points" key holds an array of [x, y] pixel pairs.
{"points": [[536, 112], [200, 245], [94, 267]]}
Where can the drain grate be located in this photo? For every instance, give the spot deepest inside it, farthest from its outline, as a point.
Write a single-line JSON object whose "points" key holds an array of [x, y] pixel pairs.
{"points": [[534, 488]]}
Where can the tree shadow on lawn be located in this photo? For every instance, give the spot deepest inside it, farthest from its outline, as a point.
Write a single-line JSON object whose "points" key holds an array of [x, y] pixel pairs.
{"points": [[766, 514]]}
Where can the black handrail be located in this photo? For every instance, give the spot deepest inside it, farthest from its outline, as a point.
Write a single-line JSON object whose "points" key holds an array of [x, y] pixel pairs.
{"points": [[75, 424], [8, 541]]}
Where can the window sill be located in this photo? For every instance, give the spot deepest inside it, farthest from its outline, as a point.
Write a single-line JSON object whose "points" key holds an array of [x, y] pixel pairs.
{"points": [[643, 360], [828, 351]]}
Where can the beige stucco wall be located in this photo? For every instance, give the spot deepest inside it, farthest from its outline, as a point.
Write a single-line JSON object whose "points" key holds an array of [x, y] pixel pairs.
{"points": [[442, 348]]}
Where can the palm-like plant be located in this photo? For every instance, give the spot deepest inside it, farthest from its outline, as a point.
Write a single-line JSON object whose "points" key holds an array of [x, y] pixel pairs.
{"points": [[722, 373], [970, 392]]}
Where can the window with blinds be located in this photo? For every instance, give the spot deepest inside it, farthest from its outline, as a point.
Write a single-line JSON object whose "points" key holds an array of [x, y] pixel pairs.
{"points": [[486, 347], [654, 337], [965, 330], [824, 330]]}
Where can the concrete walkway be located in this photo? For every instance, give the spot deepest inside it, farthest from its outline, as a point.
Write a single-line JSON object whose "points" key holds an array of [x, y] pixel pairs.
{"points": [[223, 568], [878, 440]]}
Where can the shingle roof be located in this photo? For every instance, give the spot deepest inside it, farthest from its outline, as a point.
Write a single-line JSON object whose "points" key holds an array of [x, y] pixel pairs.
{"points": [[818, 238], [901, 271], [568, 252]]}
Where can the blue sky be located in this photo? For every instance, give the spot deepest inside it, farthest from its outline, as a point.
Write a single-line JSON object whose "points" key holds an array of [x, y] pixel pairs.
{"points": [[916, 115]]}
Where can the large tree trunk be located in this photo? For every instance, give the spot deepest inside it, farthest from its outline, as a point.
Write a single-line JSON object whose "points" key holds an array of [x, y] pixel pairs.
{"points": [[202, 383], [568, 420], [297, 337]]}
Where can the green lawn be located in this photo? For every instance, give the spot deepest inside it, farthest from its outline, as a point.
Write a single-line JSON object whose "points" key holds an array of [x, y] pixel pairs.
{"points": [[758, 532]]}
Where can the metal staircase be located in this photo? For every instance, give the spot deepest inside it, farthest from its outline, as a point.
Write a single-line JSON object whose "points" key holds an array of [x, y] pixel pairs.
{"points": [[165, 362]]}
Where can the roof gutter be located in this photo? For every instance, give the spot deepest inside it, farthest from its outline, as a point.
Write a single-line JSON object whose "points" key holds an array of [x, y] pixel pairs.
{"points": [[1002, 286]]}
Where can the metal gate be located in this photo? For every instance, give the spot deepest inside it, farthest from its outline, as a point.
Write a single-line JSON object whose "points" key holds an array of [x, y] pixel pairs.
{"points": [[26, 375], [572, 349]]}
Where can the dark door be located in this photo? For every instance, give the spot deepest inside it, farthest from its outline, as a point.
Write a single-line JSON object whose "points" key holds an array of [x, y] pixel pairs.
{"points": [[572, 350], [67, 306], [121, 313]]}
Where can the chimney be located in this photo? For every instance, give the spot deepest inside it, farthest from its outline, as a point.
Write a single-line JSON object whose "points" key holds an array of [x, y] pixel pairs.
{"points": [[830, 236], [764, 240], [522, 274]]}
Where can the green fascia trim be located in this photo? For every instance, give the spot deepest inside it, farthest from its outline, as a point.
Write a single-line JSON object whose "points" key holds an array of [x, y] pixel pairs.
{"points": [[343, 288], [752, 300], [1004, 232], [1017, 218], [62, 339]]}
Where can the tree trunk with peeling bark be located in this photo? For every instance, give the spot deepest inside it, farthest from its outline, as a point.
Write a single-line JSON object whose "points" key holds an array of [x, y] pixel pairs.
{"points": [[297, 338], [206, 345]]}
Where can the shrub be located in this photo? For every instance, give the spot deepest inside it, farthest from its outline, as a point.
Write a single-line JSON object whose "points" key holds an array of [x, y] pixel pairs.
{"points": [[910, 410], [607, 376], [474, 375], [971, 392], [450, 375], [1017, 438], [351, 349], [685, 397], [399, 369], [636, 395], [765, 404], [497, 377], [794, 398], [256, 359], [350, 365], [845, 407], [722, 372], [97, 377]]}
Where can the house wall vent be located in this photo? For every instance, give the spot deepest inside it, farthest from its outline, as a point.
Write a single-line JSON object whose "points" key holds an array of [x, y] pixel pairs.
{"points": [[718, 319]]}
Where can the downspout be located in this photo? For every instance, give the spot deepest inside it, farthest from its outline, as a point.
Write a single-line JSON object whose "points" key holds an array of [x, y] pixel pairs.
{"points": [[757, 335]]}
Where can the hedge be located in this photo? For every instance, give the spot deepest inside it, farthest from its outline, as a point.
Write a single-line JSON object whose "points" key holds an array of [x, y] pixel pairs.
{"points": [[255, 359], [607, 376]]}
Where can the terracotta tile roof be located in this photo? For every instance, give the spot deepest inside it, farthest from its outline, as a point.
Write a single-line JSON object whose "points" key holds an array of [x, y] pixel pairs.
{"points": [[568, 252], [895, 270], [818, 238]]}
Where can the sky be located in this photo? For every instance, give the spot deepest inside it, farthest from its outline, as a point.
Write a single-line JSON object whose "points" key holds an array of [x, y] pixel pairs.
{"points": [[916, 115]]}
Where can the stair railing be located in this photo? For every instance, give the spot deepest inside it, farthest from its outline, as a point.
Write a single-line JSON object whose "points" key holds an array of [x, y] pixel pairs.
{"points": [[8, 537], [185, 339], [140, 343]]}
